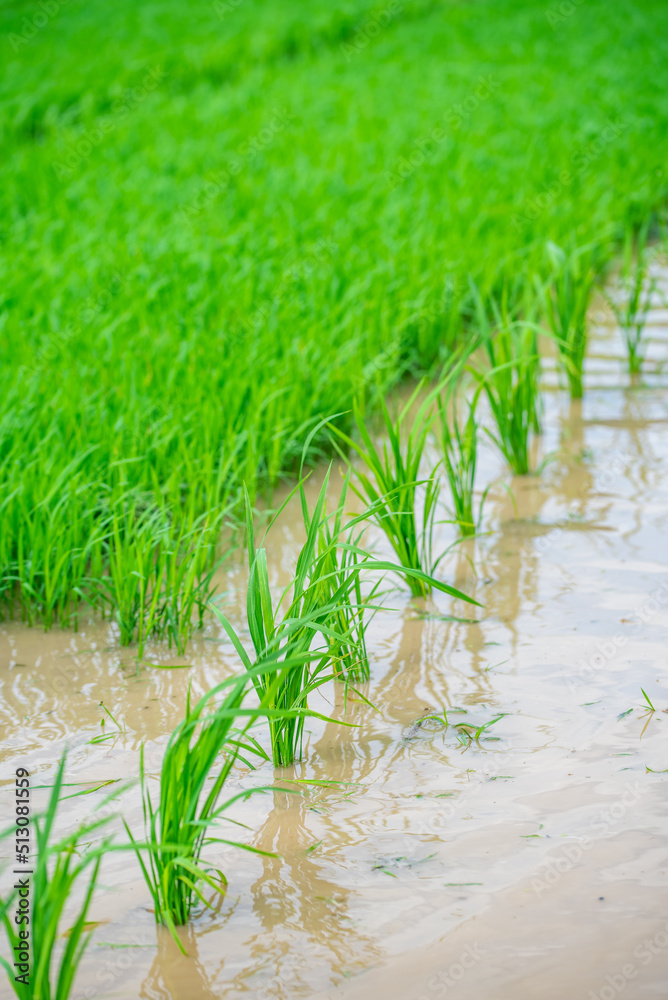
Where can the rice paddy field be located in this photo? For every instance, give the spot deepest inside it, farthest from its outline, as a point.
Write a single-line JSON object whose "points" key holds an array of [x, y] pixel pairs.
{"points": [[334, 488]]}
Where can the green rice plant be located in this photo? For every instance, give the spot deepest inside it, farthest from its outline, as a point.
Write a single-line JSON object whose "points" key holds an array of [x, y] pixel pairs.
{"points": [[631, 311], [346, 564], [348, 619], [459, 444], [57, 869], [315, 604], [315, 631], [511, 381], [392, 488], [198, 759], [344, 561], [566, 298]]}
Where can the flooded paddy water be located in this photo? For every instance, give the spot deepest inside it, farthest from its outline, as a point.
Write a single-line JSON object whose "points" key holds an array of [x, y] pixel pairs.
{"points": [[529, 863]]}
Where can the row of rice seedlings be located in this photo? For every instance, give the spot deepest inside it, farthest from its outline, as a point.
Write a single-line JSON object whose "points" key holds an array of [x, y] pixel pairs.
{"points": [[388, 473], [633, 301], [511, 378], [326, 601], [508, 375], [511, 381], [56, 868]]}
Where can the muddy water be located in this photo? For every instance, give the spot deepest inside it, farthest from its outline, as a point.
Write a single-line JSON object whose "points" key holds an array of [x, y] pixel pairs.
{"points": [[532, 863]]}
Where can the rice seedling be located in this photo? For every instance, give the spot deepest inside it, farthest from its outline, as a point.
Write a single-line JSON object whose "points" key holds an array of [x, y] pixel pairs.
{"points": [[636, 294], [352, 608], [351, 605], [459, 444], [566, 298], [347, 622], [512, 380], [57, 869], [198, 759], [316, 604], [319, 607], [392, 489]]}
